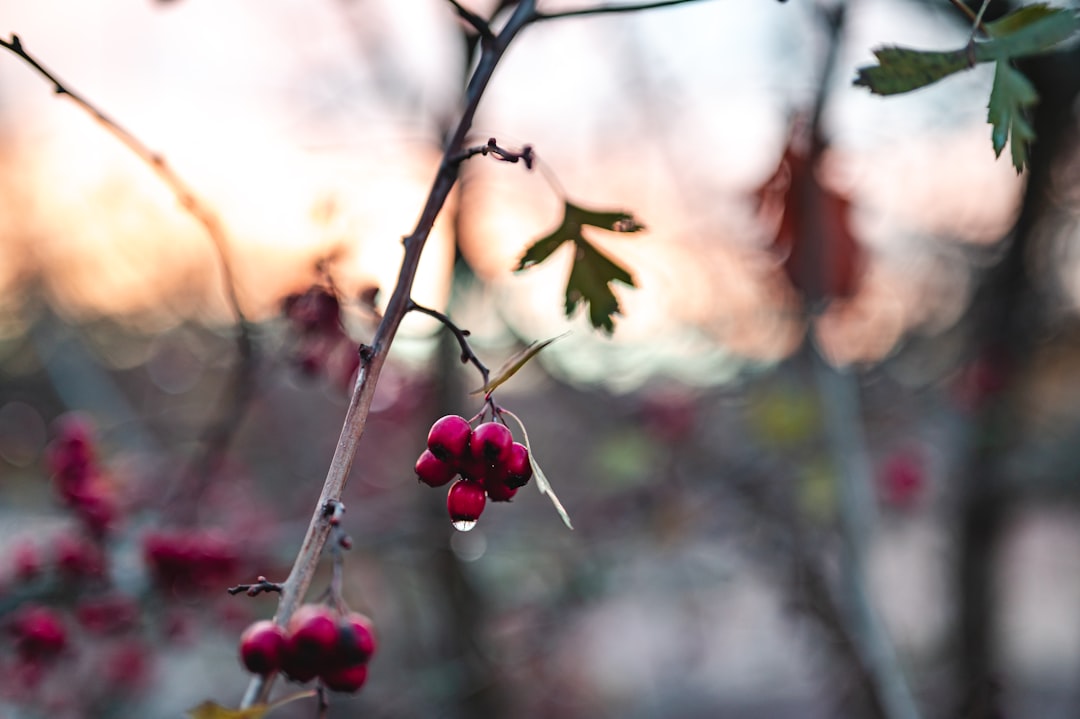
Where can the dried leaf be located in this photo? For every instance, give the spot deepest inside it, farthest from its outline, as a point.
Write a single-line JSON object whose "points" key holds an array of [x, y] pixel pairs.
{"points": [[514, 364], [542, 482]]}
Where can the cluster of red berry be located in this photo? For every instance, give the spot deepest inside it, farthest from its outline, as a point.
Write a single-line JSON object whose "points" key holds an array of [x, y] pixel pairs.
{"points": [[491, 465], [186, 561], [321, 343], [78, 480], [319, 642]]}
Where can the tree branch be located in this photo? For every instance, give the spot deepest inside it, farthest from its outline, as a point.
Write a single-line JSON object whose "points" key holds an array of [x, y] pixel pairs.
{"points": [[475, 21], [300, 577], [240, 388], [467, 353], [611, 9], [184, 195]]}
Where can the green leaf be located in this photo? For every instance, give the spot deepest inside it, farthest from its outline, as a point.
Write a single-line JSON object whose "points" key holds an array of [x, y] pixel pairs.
{"points": [[902, 69], [1011, 97], [542, 482], [1031, 30], [592, 272], [514, 364], [213, 710]]}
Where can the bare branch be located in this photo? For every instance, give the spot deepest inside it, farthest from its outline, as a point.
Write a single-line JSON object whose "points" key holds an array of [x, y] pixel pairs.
{"points": [[300, 577], [184, 195], [612, 9], [475, 21]]}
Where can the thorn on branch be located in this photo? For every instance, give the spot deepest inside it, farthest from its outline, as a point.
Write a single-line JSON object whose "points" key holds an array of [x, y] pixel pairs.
{"points": [[261, 585]]}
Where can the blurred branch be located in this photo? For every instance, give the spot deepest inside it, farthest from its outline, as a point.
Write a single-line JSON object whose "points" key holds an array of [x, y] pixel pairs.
{"points": [[241, 386], [186, 197], [839, 394], [475, 21]]}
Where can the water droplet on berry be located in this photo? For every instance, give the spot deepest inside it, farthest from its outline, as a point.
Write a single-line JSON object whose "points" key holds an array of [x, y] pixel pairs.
{"points": [[464, 525]]}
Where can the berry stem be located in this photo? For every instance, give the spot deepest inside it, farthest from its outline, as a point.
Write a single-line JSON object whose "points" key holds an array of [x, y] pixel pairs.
{"points": [[303, 570], [462, 336]]}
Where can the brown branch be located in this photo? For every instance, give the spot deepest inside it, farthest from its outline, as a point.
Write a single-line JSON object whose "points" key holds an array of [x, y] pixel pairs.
{"points": [[300, 577]]}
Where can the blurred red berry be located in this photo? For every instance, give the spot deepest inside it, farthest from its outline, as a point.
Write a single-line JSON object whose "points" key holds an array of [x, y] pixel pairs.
{"points": [[262, 647], [347, 679], [312, 641], [39, 633], [356, 640]]}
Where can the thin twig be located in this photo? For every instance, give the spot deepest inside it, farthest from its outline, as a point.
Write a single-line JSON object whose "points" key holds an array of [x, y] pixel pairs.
{"points": [[240, 388], [840, 399], [186, 197], [962, 7], [475, 21], [612, 9], [499, 153], [467, 353], [978, 23]]}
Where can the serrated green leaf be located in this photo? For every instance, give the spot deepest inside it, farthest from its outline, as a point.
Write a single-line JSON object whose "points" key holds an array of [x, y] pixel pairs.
{"points": [[542, 482], [213, 710], [902, 69], [589, 282], [592, 271], [1011, 97], [1019, 18], [1028, 31], [515, 363]]}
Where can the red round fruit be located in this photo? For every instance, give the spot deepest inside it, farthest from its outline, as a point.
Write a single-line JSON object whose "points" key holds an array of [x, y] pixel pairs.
{"points": [[498, 488], [39, 633], [262, 647], [491, 442], [312, 640], [356, 640], [432, 471], [517, 467], [346, 679], [465, 501], [449, 437]]}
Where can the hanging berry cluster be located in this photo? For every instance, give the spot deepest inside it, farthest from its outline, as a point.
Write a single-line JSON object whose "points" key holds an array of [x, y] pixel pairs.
{"points": [[491, 465], [320, 641], [77, 478]]}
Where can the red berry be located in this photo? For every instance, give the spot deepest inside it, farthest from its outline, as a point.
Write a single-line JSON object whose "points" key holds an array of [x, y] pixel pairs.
{"points": [[491, 443], [312, 641], [465, 502], [39, 633], [356, 640], [517, 467], [262, 647], [498, 488], [448, 438], [346, 679], [473, 469], [432, 471]]}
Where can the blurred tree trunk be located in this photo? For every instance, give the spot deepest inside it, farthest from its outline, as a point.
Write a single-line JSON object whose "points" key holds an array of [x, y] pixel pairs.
{"points": [[1004, 317]]}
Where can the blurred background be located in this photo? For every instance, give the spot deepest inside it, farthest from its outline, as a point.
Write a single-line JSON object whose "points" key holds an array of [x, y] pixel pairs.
{"points": [[826, 465]]}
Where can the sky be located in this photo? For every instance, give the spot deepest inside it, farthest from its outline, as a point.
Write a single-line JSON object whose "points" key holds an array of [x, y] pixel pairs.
{"points": [[311, 129]]}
